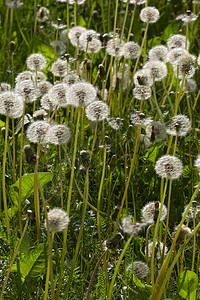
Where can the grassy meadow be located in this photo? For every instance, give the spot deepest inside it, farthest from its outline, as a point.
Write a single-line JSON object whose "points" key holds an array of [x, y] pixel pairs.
{"points": [[99, 139]]}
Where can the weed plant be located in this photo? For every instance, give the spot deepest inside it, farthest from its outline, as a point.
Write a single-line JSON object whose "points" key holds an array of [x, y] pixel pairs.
{"points": [[99, 160]]}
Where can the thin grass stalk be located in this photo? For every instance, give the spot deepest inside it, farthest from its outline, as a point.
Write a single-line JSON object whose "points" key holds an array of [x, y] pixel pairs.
{"points": [[124, 23], [166, 262], [75, 14], [195, 101], [68, 24], [115, 20], [129, 176], [13, 258], [93, 274], [94, 140], [117, 267], [84, 209], [177, 102], [194, 245], [36, 198], [108, 25], [4, 179], [170, 102], [61, 183], [156, 232], [147, 249], [131, 23], [48, 270], [20, 168], [102, 15], [14, 150]]}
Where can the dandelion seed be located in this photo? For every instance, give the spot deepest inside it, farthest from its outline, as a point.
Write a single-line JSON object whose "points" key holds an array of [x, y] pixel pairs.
{"points": [[143, 78], [193, 212], [149, 14], [177, 41], [94, 46], [75, 33], [144, 142], [131, 228], [14, 3], [198, 60], [40, 114], [39, 76], [158, 249], [60, 47], [97, 111], [36, 62], [60, 68], [36, 132], [43, 14], [57, 220], [81, 94], [11, 104], [138, 2], [156, 131], [58, 94], [58, 134], [150, 212], [158, 53], [115, 47], [58, 25], [28, 90], [142, 92], [180, 126], [87, 36], [78, 2], [139, 268], [169, 166], [131, 50], [25, 75], [157, 69]]}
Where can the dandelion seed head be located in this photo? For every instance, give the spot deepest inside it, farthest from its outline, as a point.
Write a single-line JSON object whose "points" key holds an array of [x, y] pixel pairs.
{"points": [[78, 2], [36, 132], [60, 68], [97, 111], [115, 122], [131, 228], [28, 90], [60, 47], [58, 134], [189, 86], [158, 53], [131, 50], [14, 3], [75, 33], [189, 17], [5, 87], [115, 47], [139, 118], [158, 249], [81, 94], [198, 60], [174, 54], [94, 46], [43, 14], [169, 166], [36, 62], [71, 78], [25, 75], [156, 131], [177, 41], [180, 126], [186, 65], [47, 102], [193, 211], [149, 14], [143, 78], [11, 104], [57, 220], [142, 92], [144, 141], [183, 234], [44, 87], [87, 36], [139, 268], [149, 211], [58, 93], [157, 69], [197, 163]]}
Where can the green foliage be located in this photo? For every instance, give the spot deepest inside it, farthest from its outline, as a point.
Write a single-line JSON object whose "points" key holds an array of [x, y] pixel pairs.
{"points": [[187, 284]]}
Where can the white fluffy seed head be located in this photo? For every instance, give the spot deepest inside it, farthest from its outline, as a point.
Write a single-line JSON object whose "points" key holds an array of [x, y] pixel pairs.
{"points": [[169, 166], [139, 268], [179, 126], [36, 62], [131, 228], [37, 131], [75, 33], [97, 111], [60, 68], [115, 47], [149, 211], [58, 94], [157, 69], [81, 94], [158, 53], [57, 220], [158, 249], [142, 92], [131, 50], [149, 14], [177, 41], [58, 134], [143, 78], [11, 104], [28, 90]]}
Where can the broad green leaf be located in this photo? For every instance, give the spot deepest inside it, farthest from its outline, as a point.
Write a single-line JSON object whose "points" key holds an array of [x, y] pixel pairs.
{"points": [[152, 153], [172, 28], [2, 124], [33, 263], [144, 291], [28, 185], [187, 285], [81, 21]]}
